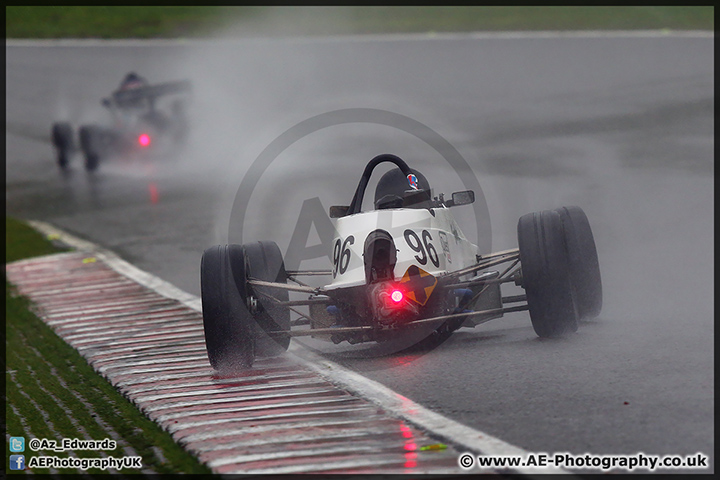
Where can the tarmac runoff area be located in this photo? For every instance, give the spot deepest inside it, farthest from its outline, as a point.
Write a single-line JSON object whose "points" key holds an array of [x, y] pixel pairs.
{"points": [[281, 416]]}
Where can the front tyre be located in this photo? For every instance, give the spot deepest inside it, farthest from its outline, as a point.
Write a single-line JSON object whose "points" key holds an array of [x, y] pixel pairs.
{"points": [[546, 274], [62, 139], [584, 265], [227, 322], [91, 145]]}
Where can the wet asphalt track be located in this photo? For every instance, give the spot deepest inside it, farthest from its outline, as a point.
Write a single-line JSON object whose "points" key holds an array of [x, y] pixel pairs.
{"points": [[622, 127]]}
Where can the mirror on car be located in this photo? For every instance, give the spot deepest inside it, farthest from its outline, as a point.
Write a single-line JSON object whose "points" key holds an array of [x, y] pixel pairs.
{"points": [[337, 211], [461, 198]]}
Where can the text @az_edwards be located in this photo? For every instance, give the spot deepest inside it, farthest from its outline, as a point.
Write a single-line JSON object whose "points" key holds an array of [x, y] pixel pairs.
{"points": [[71, 444]]}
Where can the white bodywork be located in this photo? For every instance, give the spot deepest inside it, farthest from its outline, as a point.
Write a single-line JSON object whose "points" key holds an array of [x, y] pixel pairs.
{"points": [[434, 233]]}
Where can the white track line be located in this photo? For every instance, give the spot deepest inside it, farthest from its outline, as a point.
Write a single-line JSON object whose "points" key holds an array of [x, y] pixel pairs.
{"points": [[450, 431], [434, 36]]}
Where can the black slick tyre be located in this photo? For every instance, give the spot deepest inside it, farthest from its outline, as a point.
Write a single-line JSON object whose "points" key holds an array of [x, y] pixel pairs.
{"points": [[546, 274], [62, 139], [90, 143], [584, 265], [227, 322]]}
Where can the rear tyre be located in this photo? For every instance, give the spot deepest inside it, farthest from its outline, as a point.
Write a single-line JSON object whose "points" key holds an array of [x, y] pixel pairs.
{"points": [[91, 146], [584, 266], [546, 274], [263, 261], [227, 322], [91, 162], [237, 317], [62, 139]]}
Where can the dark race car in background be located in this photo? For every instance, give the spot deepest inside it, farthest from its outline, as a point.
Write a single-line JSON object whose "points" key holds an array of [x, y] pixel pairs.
{"points": [[139, 125]]}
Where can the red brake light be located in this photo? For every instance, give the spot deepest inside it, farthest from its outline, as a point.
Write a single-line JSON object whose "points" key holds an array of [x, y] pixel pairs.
{"points": [[396, 296], [144, 140]]}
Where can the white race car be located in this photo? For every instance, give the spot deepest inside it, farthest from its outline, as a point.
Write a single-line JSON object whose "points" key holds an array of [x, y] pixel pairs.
{"points": [[402, 271]]}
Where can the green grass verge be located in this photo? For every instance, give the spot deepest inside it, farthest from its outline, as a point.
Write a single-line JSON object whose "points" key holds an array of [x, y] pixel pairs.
{"points": [[22, 241], [52, 392], [154, 21]]}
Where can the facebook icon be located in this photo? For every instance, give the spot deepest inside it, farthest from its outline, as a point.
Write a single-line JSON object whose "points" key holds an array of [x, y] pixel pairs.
{"points": [[17, 462]]}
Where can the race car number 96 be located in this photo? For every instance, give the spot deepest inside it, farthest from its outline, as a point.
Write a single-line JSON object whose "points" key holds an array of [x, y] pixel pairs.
{"points": [[421, 248], [341, 255]]}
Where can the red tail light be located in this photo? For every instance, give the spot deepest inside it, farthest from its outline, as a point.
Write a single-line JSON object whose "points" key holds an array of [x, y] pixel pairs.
{"points": [[144, 140], [397, 296], [391, 303]]}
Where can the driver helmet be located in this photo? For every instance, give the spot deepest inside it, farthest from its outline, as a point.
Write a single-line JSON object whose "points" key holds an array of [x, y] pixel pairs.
{"points": [[132, 80], [394, 182]]}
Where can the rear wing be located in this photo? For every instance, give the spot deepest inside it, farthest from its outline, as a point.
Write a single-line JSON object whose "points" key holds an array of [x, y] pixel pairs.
{"points": [[125, 97]]}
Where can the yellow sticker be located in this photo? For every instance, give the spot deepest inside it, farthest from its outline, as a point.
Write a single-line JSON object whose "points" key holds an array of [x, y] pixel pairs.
{"points": [[53, 236], [419, 283], [89, 260], [436, 446]]}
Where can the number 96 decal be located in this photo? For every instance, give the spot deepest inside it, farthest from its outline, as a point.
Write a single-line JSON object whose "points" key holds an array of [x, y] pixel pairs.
{"points": [[424, 248], [341, 255]]}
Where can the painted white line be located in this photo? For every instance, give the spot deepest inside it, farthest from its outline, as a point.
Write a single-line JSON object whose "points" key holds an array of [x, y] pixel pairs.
{"points": [[450, 431], [39, 263], [389, 37]]}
